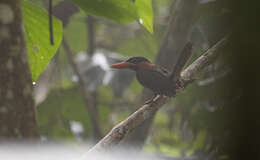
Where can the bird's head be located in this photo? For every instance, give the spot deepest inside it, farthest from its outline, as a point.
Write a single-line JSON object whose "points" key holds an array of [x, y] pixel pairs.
{"points": [[133, 63]]}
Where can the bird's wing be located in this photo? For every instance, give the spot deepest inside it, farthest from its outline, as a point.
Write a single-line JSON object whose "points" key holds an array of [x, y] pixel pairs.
{"points": [[155, 79], [162, 70]]}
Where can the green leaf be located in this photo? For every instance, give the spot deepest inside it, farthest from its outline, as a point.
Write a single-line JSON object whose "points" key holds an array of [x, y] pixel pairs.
{"points": [[39, 49], [145, 12], [121, 11]]}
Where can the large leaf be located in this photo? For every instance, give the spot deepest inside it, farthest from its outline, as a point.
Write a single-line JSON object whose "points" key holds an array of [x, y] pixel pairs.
{"points": [[121, 11], [39, 49], [145, 12]]}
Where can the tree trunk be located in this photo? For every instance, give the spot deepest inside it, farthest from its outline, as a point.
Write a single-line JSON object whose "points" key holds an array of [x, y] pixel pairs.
{"points": [[17, 112], [176, 36]]}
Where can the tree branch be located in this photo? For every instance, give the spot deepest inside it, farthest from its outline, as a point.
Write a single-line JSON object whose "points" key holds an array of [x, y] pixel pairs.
{"points": [[120, 131], [87, 97], [91, 37], [202, 61]]}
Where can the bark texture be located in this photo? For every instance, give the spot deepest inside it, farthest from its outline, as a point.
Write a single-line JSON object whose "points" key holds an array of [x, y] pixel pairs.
{"points": [[203, 60], [17, 112]]}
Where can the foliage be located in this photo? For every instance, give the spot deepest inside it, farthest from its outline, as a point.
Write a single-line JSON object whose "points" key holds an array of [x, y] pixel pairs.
{"points": [[62, 107], [121, 11], [77, 40], [39, 49], [186, 126], [145, 11]]}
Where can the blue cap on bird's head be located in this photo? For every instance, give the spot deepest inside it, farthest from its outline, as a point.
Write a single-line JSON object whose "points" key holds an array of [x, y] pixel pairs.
{"points": [[136, 60], [131, 62]]}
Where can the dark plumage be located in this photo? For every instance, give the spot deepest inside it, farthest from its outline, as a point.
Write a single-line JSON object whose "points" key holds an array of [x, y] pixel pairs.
{"points": [[157, 80], [149, 75]]}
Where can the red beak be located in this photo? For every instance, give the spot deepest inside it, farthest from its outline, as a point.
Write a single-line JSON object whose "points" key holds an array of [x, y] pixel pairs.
{"points": [[121, 65]]}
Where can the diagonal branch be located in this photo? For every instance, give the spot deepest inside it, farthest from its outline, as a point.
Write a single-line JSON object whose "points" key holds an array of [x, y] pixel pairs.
{"points": [[120, 131], [188, 74]]}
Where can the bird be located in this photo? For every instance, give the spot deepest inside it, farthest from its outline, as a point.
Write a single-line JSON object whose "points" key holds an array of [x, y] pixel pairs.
{"points": [[149, 75]]}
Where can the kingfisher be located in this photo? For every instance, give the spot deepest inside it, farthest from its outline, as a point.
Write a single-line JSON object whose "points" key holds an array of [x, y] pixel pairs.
{"points": [[151, 76]]}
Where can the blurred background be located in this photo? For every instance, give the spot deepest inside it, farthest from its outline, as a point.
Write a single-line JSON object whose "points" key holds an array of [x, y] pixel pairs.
{"points": [[200, 123], [182, 127]]}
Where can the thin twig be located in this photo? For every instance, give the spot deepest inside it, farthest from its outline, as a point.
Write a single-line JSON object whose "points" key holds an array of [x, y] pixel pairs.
{"points": [[90, 20], [50, 23], [91, 34], [86, 96]]}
